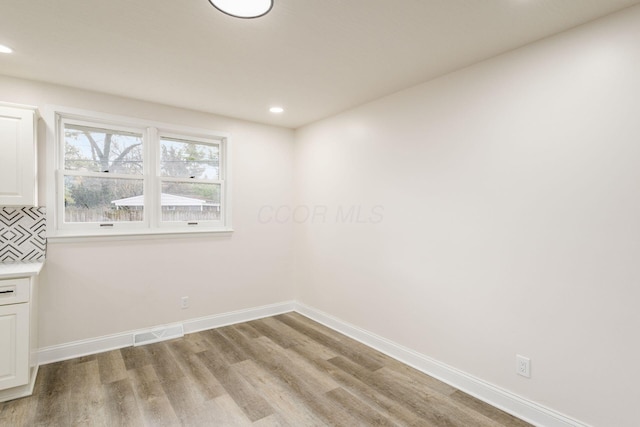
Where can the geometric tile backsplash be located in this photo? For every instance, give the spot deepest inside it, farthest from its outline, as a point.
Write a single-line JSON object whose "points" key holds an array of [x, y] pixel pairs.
{"points": [[22, 234]]}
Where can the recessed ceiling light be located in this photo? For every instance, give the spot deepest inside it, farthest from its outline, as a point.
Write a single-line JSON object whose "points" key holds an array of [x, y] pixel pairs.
{"points": [[276, 110], [243, 8], [5, 49]]}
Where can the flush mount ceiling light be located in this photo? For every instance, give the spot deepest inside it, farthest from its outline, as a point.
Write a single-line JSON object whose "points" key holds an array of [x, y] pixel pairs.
{"points": [[5, 49], [276, 110], [243, 8]]}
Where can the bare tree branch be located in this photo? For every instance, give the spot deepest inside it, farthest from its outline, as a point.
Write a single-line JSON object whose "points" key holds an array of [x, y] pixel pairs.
{"points": [[94, 146], [124, 153]]}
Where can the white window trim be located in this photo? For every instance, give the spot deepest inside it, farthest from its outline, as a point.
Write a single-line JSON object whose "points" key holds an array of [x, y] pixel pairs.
{"points": [[157, 182], [151, 130]]}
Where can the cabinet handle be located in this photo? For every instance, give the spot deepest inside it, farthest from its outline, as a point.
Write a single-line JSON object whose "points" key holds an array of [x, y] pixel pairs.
{"points": [[7, 292]]}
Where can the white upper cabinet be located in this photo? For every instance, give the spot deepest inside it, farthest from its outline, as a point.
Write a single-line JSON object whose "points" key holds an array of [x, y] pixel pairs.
{"points": [[17, 156]]}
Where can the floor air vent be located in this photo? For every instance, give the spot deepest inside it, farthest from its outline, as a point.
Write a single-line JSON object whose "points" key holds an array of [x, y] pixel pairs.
{"points": [[158, 334]]}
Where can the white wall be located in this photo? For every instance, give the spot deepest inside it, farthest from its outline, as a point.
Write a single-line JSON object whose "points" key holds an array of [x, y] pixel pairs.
{"points": [[95, 288], [511, 221]]}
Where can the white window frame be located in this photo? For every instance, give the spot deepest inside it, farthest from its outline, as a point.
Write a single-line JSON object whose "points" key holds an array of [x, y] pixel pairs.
{"points": [[152, 224], [170, 134]]}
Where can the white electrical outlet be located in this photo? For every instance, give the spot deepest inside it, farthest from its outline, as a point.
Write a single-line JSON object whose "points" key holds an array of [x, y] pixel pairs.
{"points": [[523, 366], [184, 302]]}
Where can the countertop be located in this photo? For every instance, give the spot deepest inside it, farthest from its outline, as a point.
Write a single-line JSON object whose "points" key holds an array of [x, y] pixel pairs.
{"points": [[9, 270]]}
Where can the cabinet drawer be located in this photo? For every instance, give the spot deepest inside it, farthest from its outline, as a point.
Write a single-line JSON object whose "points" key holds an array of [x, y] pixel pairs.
{"points": [[14, 291]]}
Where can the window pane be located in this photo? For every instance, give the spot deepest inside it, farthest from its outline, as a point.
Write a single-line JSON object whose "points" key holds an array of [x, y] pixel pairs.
{"points": [[186, 159], [101, 150], [88, 199], [183, 201]]}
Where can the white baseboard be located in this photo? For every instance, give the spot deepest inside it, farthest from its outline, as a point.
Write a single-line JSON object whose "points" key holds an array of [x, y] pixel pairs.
{"points": [[231, 318], [524, 409], [87, 347]]}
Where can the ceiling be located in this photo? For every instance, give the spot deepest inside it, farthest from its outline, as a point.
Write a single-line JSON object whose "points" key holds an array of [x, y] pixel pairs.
{"points": [[315, 58]]}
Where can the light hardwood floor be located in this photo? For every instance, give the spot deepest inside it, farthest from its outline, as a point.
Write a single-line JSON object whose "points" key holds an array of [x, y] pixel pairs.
{"points": [[280, 371]]}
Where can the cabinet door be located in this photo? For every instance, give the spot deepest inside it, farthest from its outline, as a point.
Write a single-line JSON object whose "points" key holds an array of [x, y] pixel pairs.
{"points": [[14, 345], [17, 157]]}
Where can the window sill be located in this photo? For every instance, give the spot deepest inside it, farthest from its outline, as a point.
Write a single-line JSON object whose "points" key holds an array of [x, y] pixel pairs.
{"points": [[87, 236]]}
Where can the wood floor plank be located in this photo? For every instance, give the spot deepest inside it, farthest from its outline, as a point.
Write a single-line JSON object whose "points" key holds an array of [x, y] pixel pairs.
{"points": [[53, 398], [274, 420], [245, 396], [416, 383], [86, 395], [121, 404], [272, 358], [196, 342], [381, 402], [500, 417], [451, 408], [191, 408], [367, 414], [191, 364], [416, 377], [356, 346], [298, 366], [317, 350], [427, 404], [225, 412], [135, 357], [269, 357], [153, 402], [231, 352], [286, 370], [112, 367], [300, 338], [341, 345], [274, 332], [17, 412], [247, 330], [164, 363], [291, 409]]}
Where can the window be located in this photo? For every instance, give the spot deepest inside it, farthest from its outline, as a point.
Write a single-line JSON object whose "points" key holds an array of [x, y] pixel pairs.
{"points": [[189, 179], [119, 176]]}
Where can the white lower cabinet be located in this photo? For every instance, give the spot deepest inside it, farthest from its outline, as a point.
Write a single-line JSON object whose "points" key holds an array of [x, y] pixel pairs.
{"points": [[14, 345], [18, 337]]}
